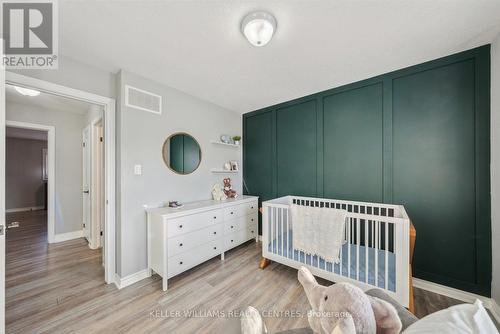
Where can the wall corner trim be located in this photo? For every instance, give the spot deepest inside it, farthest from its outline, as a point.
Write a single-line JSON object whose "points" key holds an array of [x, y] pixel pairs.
{"points": [[464, 296], [495, 310], [131, 279], [68, 236]]}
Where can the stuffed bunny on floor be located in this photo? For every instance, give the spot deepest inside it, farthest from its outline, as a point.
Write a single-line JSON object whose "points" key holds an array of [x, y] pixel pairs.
{"points": [[343, 308]]}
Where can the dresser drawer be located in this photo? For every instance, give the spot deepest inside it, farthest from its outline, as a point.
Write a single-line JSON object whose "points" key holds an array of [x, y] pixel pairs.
{"points": [[187, 241], [184, 261], [186, 224], [234, 239], [240, 210], [238, 224]]}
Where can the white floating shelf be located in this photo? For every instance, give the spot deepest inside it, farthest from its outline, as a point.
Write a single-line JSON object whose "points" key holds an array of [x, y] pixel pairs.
{"points": [[224, 144], [223, 171]]}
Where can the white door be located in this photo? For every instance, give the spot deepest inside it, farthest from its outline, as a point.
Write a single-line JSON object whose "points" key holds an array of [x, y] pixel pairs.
{"points": [[2, 196], [86, 183]]}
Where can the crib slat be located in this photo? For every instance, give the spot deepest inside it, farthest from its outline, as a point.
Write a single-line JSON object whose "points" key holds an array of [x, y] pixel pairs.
{"points": [[341, 247], [366, 250], [386, 280], [377, 243], [287, 236], [282, 233], [276, 229], [349, 249], [358, 241]]}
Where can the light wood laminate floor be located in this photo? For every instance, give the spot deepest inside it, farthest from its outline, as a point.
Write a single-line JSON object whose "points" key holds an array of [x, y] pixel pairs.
{"points": [[60, 288]]}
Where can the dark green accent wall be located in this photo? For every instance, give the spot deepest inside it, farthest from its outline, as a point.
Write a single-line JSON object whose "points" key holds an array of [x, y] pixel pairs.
{"points": [[417, 136]]}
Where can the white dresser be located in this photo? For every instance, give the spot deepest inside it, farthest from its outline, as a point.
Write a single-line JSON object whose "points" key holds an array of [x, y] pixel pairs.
{"points": [[179, 239]]}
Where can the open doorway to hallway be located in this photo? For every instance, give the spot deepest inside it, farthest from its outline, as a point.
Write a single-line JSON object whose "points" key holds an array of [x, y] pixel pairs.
{"points": [[55, 199]]}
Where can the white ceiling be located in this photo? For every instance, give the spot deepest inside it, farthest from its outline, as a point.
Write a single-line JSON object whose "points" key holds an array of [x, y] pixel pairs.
{"points": [[196, 46], [11, 132], [47, 101]]}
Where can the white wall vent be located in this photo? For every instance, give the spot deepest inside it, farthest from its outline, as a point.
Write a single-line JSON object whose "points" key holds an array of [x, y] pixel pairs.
{"points": [[142, 100]]}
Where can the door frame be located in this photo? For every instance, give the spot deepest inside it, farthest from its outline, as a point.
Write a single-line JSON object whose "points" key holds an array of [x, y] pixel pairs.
{"points": [[51, 183], [108, 105]]}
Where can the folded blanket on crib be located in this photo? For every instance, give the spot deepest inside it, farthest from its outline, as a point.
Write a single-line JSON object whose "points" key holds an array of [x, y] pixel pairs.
{"points": [[318, 231]]}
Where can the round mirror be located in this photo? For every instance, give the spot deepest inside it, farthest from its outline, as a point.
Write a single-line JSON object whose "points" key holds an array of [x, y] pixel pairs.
{"points": [[181, 153]]}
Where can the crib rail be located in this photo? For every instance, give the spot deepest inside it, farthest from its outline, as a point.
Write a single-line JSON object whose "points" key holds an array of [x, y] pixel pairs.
{"points": [[375, 251]]}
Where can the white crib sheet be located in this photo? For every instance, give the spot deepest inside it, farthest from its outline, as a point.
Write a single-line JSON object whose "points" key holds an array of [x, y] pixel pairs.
{"points": [[276, 247]]}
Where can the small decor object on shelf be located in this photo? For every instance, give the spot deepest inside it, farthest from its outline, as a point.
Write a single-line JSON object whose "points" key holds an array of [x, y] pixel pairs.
{"points": [[227, 166], [175, 204], [230, 193], [218, 193], [225, 139], [237, 140], [234, 165]]}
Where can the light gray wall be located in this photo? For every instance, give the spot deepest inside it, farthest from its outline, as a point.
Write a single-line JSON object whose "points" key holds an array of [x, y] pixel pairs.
{"points": [[68, 133], [74, 74], [495, 166], [24, 180], [140, 138]]}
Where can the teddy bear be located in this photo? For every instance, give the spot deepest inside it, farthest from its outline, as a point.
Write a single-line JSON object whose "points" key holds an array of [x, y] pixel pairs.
{"points": [[343, 308], [230, 193]]}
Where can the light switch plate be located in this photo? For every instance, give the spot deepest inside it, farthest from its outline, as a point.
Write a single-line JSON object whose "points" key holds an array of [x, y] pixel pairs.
{"points": [[138, 169]]}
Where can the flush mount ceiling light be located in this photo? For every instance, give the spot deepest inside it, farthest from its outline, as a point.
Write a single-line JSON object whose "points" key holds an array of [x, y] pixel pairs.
{"points": [[258, 27], [27, 91]]}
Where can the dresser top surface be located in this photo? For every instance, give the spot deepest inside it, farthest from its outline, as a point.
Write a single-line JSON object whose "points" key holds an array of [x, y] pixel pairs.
{"points": [[198, 206]]}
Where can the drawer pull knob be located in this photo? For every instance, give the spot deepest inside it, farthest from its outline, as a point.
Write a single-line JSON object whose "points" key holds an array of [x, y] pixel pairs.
{"points": [[215, 232], [252, 232], [251, 207], [232, 226], [215, 217], [252, 219], [180, 262], [180, 226], [180, 245], [231, 240], [215, 247]]}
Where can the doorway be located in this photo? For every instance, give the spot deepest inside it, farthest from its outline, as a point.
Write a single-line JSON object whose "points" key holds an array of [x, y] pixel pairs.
{"points": [[107, 120]]}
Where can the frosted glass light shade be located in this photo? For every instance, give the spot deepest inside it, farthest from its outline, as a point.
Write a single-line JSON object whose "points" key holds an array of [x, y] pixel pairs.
{"points": [[258, 28]]}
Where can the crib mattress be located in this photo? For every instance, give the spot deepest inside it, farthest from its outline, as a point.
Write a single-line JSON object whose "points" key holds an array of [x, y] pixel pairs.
{"points": [[366, 275]]}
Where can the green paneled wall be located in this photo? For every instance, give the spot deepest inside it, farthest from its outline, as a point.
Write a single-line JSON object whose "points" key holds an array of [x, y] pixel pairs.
{"points": [[296, 133], [417, 136], [353, 144]]}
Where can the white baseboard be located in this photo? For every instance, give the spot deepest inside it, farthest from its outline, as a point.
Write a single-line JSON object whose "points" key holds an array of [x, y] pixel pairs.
{"points": [[68, 236], [464, 296], [131, 279], [29, 208]]}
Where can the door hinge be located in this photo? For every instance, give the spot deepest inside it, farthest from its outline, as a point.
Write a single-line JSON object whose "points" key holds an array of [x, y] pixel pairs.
{"points": [[101, 233], [100, 138], [83, 144], [83, 225]]}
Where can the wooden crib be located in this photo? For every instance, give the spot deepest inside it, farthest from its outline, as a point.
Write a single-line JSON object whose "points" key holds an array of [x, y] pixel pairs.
{"points": [[376, 253]]}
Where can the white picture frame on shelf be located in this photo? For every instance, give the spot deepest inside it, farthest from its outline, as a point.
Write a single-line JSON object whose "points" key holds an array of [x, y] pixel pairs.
{"points": [[234, 165]]}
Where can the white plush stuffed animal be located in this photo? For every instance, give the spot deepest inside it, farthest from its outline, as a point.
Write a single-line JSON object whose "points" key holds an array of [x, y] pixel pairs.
{"points": [[343, 308], [218, 193]]}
